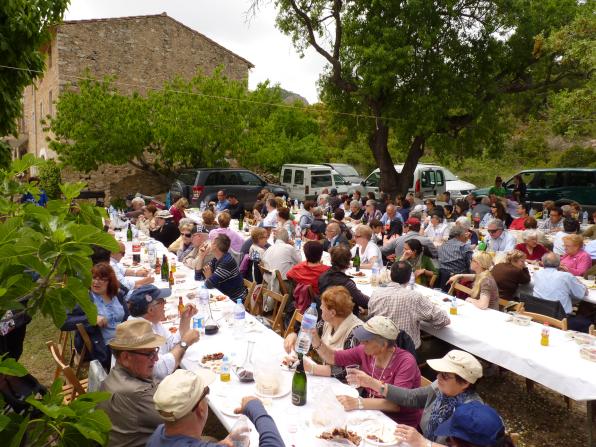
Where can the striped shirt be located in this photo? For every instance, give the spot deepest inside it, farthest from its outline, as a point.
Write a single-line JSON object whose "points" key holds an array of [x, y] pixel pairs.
{"points": [[226, 277], [455, 256]]}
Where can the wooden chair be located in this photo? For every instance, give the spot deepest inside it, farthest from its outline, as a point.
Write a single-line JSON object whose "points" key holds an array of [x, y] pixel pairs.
{"points": [[424, 382], [251, 302], [276, 318], [506, 305], [73, 387], [79, 357], [283, 287], [457, 286], [296, 317], [65, 348], [559, 324]]}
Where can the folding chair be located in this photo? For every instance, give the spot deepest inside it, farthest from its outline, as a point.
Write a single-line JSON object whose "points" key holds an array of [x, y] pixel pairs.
{"points": [[74, 387], [279, 306], [592, 330], [296, 317], [553, 309], [457, 286], [505, 305], [65, 348], [79, 357]]}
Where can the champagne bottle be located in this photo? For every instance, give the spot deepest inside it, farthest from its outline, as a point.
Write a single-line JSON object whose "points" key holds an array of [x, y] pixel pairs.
{"points": [[129, 233], [299, 384], [165, 269], [356, 259]]}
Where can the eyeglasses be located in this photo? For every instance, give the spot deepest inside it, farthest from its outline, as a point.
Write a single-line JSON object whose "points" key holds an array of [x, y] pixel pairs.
{"points": [[186, 234], [492, 231], [152, 354], [98, 279]]}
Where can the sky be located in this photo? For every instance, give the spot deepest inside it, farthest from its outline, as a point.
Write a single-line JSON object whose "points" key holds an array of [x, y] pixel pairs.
{"points": [[225, 22]]}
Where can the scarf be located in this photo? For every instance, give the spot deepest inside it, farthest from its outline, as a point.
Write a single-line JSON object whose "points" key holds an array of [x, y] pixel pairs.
{"points": [[336, 339], [442, 409]]}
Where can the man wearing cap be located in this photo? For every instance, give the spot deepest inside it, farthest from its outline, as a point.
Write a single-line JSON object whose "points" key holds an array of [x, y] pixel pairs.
{"points": [[123, 274], [458, 372], [148, 302], [181, 401], [222, 272], [131, 384], [166, 231], [377, 356], [395, 247]]}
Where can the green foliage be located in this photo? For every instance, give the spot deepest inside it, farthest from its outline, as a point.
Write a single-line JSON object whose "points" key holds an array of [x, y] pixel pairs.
{"points": [[50, 178], [578, 157], [24, 29]]}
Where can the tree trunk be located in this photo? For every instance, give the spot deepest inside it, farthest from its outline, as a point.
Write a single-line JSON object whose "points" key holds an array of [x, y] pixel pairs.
{"points": [[415, 152]]}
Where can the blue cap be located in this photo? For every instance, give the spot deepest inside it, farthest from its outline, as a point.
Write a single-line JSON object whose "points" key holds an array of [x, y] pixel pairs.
{"points": [[141, 297], [473, 422]]}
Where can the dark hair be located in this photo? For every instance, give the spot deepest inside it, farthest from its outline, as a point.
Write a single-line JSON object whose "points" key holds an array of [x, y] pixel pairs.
{"points": [[449, 208], [375, 223], [558, 210], [340, 257], [571, 225], [231, 194], [501, 212], [284, 213], [371, 195], [103, 270], [308, 204], [151, 208], [530, 222], [222, 242], [272, 203], [463, 205], [100, 254], [417, 247], [313, 251], [401, 272], [339, 214]]}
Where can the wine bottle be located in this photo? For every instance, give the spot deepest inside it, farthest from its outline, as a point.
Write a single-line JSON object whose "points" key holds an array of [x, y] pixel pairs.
{"points": [[356, 259], [129, 233], [299, 384], [165, 269]]}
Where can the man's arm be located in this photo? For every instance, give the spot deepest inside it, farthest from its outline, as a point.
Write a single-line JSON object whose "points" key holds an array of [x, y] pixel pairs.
{"points": [[432, 314], [268, 433]]}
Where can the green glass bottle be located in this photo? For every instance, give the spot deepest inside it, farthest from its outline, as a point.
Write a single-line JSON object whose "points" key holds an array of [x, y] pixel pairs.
{"points": [[299, 384], [241, 222], [165, 269], [129, 233], [356, 260]]}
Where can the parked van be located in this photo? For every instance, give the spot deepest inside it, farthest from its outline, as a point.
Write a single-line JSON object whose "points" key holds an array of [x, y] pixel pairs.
{"points": [[428, 179], [306, 181]]}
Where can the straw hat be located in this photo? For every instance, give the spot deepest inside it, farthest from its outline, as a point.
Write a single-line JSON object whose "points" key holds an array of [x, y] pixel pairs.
{"points": [[135, 334]]}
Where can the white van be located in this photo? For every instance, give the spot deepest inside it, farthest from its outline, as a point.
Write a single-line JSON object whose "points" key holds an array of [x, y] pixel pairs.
{"points": [[428, 179], [306, 181]]}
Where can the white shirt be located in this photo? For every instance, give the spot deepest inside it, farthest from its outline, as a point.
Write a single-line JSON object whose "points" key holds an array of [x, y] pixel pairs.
{"points": [[553, 285], [590, 247], [558, 246], [372, 250], [120, 272], [166, 363], [505, 242], [441, 231], [281, 256], [270, 219]]}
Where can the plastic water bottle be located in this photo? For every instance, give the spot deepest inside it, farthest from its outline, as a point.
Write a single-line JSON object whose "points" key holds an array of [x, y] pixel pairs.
{"points": [[239, 319], [240, 433], [585, 218], [532, 212], [295, 204], [412, 281], [301, 205], [298, 243], [374, 279], [203, 307], [309, 321]]}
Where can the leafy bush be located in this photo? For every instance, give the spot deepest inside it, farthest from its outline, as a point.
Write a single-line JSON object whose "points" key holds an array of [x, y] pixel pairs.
{"points": [[50, 178], [578, 157]]}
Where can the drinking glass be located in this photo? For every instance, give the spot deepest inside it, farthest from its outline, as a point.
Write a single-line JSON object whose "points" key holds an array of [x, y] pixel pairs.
{"points": [[349, 370]]}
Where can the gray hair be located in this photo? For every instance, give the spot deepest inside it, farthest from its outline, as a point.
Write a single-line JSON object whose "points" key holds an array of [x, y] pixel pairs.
{"points": [[281, 234], [485, 201], [462, 221], [138, 200], [530, 234], [185, 222], [456, 231], [371, 202], [355, 203], [551, 260], [317, 211], [497, 223]]}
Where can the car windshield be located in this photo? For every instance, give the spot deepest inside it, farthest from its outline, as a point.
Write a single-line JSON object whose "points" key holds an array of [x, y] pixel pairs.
{"points": [[449, 176], [188, 177], [346, 170]]}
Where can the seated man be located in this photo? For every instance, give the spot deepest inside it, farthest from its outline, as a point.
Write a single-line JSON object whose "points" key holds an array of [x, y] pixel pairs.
{"points": [[391, 215], [554, 222], [236, 240], [193, 259], [122, 272], [221, 203], [166, 230], [235, 208], [405, 307], [455, 255], [395, 247], [148, 302], [498, 239], [281, 255], [270, 219], [222, 272], [180, 400], [334, 237], [131, 384]]}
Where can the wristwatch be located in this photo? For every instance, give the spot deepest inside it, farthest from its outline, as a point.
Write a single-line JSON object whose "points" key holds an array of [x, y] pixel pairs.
{"points": [[184, 345]]}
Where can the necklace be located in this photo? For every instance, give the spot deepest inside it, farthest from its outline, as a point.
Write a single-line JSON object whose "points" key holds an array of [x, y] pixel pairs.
{"points": [[372, 373]]}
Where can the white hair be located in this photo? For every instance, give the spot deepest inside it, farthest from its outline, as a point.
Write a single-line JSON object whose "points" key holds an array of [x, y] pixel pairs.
{"points": [[530, 234], [138, 200], [463, 222]]}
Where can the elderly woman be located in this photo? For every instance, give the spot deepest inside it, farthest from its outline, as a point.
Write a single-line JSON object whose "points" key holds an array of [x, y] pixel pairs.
{"points": [[146, 221], [336, 330], [209, 222], [457, 375], [576, 260], [336, 276], [530, 246], [178, 208], [464, 223], [371, 212], [309, 271], [166, 231], [306, 218], [369, 251], [378, 357], [485, 292], [511, 274], [136, 204], [185, 227], [418, 257], [356, 211]]}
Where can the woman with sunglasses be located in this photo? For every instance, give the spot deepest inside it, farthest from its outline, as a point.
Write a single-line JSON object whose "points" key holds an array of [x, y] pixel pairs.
{"points": [[458, 372], [485, 292], [497, 211]]}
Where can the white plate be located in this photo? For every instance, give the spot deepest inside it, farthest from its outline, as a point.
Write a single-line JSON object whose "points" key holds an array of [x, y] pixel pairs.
{"points": [[341, 389], [384, 431], [285, 389]]}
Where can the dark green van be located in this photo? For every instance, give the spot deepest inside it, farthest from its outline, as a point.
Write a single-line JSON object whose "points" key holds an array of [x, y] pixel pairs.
{"points": [[563, 185]]}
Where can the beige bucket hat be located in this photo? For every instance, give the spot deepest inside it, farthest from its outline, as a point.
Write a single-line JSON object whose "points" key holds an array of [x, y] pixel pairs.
{"points": [[135, 334]]}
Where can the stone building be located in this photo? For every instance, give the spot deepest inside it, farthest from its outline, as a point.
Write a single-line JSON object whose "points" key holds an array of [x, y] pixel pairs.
{"points": [[142, 52]]}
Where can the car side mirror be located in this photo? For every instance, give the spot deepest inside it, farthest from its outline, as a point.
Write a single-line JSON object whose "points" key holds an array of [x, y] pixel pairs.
{"points": [[347, 183]]}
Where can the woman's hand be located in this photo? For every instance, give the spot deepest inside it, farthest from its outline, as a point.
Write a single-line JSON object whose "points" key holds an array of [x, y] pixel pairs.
{"points": [[102, 321], [359, 379], [405, 433], [349, 403], [419, 272], [290, 342], [453, 279]]}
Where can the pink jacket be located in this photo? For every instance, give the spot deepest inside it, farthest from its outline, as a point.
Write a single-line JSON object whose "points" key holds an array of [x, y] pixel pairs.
{"points": [[578, 264]]}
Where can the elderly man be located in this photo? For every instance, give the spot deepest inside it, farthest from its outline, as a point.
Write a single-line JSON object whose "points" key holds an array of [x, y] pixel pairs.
{"points": [[455, 255], [137, 205], [405, 307], [436, 229], [222, 272], [498, 239], [148, 303], [391, 215], [236, 240], [166, 231], [235, 208], [123, 274], [371, 212], [395, 247], [554, 285], [181, 401], [191, 260], [132, 385], [270, 220], [554, 222], [281, 255], [334, 237], [221, 203]]}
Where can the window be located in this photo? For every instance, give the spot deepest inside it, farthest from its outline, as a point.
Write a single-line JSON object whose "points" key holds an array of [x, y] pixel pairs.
{"points": [[248, 178], [213, 179], [428, 179], [50, 55], [346, 170], [440, 178], [320, 181], [50, 105], [529, 178], [580, 179], [298, 177], [230, 178], [549, 179], [287, 177], [188, 177], [338, 179], [373, 180]]}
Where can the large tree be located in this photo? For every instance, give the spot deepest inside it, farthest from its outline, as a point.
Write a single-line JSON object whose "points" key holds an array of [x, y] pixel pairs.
{"points": [[24, 28], [427, 71]]}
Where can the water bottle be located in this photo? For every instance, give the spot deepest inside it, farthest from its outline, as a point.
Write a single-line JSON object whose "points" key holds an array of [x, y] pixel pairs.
{"points": [[412, 281], [301, 206], [239, 318], [309, 322], [585, 218], [203, 307], [202, 206], [298, 243], [151, 254], [240, 433], [532, 212], [295, 204], [374, 279]]}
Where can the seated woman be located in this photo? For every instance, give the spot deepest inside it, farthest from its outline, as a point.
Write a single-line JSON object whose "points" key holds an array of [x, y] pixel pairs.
{"points": [[485, 293], [178, 208], [511, 274], [284, 221], [530, 246], [111, 310], [378, 356], [336, 330], [182, 245], [497, 211], [249, 267], [457, 375], [209, 222], [419, 258], [146, 221], [576, 260], [369, 251], [309, 271]]}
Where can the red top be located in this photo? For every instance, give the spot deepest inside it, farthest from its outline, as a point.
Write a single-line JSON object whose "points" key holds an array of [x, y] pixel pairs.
{"points": [[307, 274], [517, 224], [177, 214], [536, 255]]}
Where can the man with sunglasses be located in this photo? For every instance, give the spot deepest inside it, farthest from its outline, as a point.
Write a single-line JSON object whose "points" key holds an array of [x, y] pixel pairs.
{"points": [[131, 384], [498, 239], [181, 401]]}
